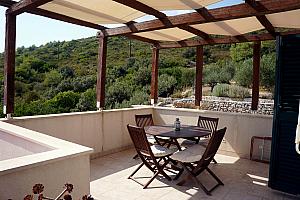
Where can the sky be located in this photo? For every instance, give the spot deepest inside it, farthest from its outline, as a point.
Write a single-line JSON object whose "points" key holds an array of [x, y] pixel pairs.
{"points": [[37, 30]]}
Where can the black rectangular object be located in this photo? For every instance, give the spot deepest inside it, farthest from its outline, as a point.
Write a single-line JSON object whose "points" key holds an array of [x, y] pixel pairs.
{"points": [[285, 162]]}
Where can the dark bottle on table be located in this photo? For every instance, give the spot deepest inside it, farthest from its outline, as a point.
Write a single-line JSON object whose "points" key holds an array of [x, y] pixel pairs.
{"points": [[177, 124]]}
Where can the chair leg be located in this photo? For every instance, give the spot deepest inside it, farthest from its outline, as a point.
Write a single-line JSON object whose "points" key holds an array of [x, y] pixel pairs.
{"points": [[179, 174], [136, 156], [147, 164], [201, 185], [160, 169], [152, 178], [215, 176], [214, 161], [193, 176], [137, 169], [188, 176]]}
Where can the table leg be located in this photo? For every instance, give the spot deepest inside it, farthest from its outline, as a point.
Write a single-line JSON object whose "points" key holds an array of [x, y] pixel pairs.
{"points": [[177, 144]]}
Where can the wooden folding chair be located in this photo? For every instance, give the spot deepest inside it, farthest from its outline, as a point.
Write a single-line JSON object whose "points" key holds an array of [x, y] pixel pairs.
{"points": [[147, 120], [194, 163], [154, 157], [144, 120], [208, 123]]}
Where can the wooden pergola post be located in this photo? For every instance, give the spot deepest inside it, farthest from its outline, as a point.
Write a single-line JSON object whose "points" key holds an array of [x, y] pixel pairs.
{"points": [[255, 81], [101, 76], [9, 65], [199, 75], [154, 75]]}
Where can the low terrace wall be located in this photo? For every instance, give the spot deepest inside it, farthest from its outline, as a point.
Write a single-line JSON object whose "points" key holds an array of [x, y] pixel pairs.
{"points": [[106, 131]]}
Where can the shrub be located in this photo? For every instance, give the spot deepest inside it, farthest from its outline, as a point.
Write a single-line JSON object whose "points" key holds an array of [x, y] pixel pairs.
{"points": [[243, 75], [140, 97], [221, 90], [87, 101], [177, 95], [221, 72], [232, 91], [166, 85], [267, 71], [238, 92]]}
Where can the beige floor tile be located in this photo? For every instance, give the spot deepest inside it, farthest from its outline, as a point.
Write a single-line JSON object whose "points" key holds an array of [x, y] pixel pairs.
{"points": [[243, 179]]}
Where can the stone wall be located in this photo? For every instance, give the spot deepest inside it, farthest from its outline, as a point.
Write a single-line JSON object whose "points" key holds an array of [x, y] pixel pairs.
{"points": [[237, 106], [265, 106]]}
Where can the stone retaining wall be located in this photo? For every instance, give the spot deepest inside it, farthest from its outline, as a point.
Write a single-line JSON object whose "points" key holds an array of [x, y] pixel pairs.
{"points": [[237, 106], [224, 104]]}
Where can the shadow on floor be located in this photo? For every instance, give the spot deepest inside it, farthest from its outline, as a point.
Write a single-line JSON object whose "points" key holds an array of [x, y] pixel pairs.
{"points": [[243, 179]]}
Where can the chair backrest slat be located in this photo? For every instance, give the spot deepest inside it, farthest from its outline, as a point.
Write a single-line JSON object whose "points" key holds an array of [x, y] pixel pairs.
{"points": [[212, 148], [209, 123], [139, 139], [144, 120]]}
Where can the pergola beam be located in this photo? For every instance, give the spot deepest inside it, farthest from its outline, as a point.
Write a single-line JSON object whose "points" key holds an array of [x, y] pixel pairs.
{"points": [[197, 32], [53, 15], [223, 40], [262, 18], [154, 76], [218, 14], [101, 76], [71, 20], [143, 39], [255, 80], [203, 12], [24, 5], [160, 15], [9, 64], [199, 75], [142, 8]]}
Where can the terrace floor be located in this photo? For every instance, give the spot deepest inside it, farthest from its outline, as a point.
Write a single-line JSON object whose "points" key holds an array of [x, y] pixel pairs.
{"points": [[243, 179]]}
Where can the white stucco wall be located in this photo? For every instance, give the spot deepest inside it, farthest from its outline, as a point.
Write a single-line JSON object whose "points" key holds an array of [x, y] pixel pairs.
{"points": [[60, 162], [103, 131], [53, 176], [106, 131]]}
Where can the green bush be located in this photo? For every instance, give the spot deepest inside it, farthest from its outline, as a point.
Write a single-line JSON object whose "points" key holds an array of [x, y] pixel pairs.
{"points": [[177, 94], [267, 71], [220, 72], [87, 101], [238, 92], [232, 91], [166, 85], [243, 75], [221, 90]]}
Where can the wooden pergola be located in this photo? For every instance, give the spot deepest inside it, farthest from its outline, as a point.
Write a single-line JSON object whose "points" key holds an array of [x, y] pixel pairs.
{"points": [[260, 10]]}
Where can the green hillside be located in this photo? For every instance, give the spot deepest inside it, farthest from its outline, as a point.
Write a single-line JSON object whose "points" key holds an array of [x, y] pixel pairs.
{"points": [[61, 76]]}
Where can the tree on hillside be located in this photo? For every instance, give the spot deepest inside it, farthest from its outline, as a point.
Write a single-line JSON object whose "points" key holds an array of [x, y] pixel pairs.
{"points": [[87, 101], [221, 72], [166, 85], [117, 93], [240, 52], [243, 75], [267, 71], [52, 78]]}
